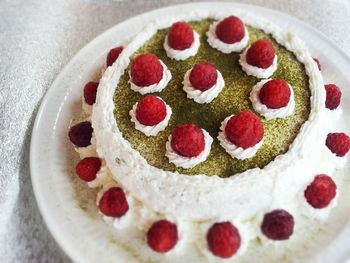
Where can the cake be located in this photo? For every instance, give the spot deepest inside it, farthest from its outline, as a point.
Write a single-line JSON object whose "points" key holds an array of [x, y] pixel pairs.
{"points": [[209, 132]]}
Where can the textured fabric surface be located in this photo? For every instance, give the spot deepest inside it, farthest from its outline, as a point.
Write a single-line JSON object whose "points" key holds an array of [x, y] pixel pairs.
{"points": [[37, 38]]}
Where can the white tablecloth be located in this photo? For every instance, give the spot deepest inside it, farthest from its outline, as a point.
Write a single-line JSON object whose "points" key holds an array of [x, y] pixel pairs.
{"points": [[37, 38]]}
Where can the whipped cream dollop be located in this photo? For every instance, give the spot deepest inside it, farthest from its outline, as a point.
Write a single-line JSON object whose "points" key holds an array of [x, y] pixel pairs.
{"points": [[157, 87], [245, 230], [226, 48], [268, 113], [203, 96], [189, 162], [154, 129], [90, 151], [320, 214], [232, 149], [182, 54], [262, 73], [125, 220]]}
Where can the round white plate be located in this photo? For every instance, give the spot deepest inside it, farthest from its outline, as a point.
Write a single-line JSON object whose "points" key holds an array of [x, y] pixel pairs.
{"points": [[68, 206]]}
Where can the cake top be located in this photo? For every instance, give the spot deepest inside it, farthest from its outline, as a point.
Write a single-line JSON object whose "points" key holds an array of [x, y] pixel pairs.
{"points": [[279, 133]]}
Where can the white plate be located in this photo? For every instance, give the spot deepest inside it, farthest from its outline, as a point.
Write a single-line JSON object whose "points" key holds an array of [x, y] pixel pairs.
{"points": [[68, 206]]}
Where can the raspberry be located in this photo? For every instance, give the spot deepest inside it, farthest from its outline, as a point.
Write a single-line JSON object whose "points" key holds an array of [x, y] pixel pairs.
{"points": [[244, 129], [203, 76], [162, 236], [278, 225], [333, 96], [321, 191], [90, 91], [338, 143], [223, 239], [113, 54], [188, 140], [113, 202], [150, 110], [275, 94], [261, 54], [230, 30], [146, 70], [80, 134], [87, 168], [318, 63], [180, 36]]}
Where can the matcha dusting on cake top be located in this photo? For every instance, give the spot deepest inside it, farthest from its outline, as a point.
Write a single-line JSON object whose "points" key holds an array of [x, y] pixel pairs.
{"points": [[279, 133]]}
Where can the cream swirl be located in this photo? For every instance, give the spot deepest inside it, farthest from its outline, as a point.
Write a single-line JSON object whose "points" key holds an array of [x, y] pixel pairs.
{"points": [[154, 129], [262, 73], [157, 87], [226, 48], [268, 113], [234, 150], [182, 54], [189, 162], [203, 96]]}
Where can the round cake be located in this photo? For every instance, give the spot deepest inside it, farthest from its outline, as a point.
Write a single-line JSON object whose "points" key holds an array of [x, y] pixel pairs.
{"points": [[209, 132]]}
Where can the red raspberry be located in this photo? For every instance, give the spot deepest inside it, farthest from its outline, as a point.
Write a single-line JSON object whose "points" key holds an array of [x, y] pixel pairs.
{"points": [[87, 168], [275, 94], [162, 236], [244, 129], [333, 96], [146, 70], [278, 225], [321, 191], [318, 63], [113, 54], [80, 134], [188, 140], [113, 202], [338, 143], [223, 239], [261, 54], [90, 91], [203, 76], [180, 36], [150, 110], [230, 30]]}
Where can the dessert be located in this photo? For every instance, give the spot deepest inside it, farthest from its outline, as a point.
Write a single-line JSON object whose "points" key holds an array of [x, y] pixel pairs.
{"points": [[203, 150]]}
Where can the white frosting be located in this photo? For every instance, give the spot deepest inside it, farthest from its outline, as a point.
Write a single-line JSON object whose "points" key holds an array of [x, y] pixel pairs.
{"points": [[215, 42], [234, 150], [182, 54], [189, 162], [268, 113], [262, 73], [201, 197], [154, 129], [101, 176], [154, 87], [202, 96]]}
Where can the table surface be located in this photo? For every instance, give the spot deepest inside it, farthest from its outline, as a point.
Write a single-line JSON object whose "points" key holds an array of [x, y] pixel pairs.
{"points": [[37, 39]]}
